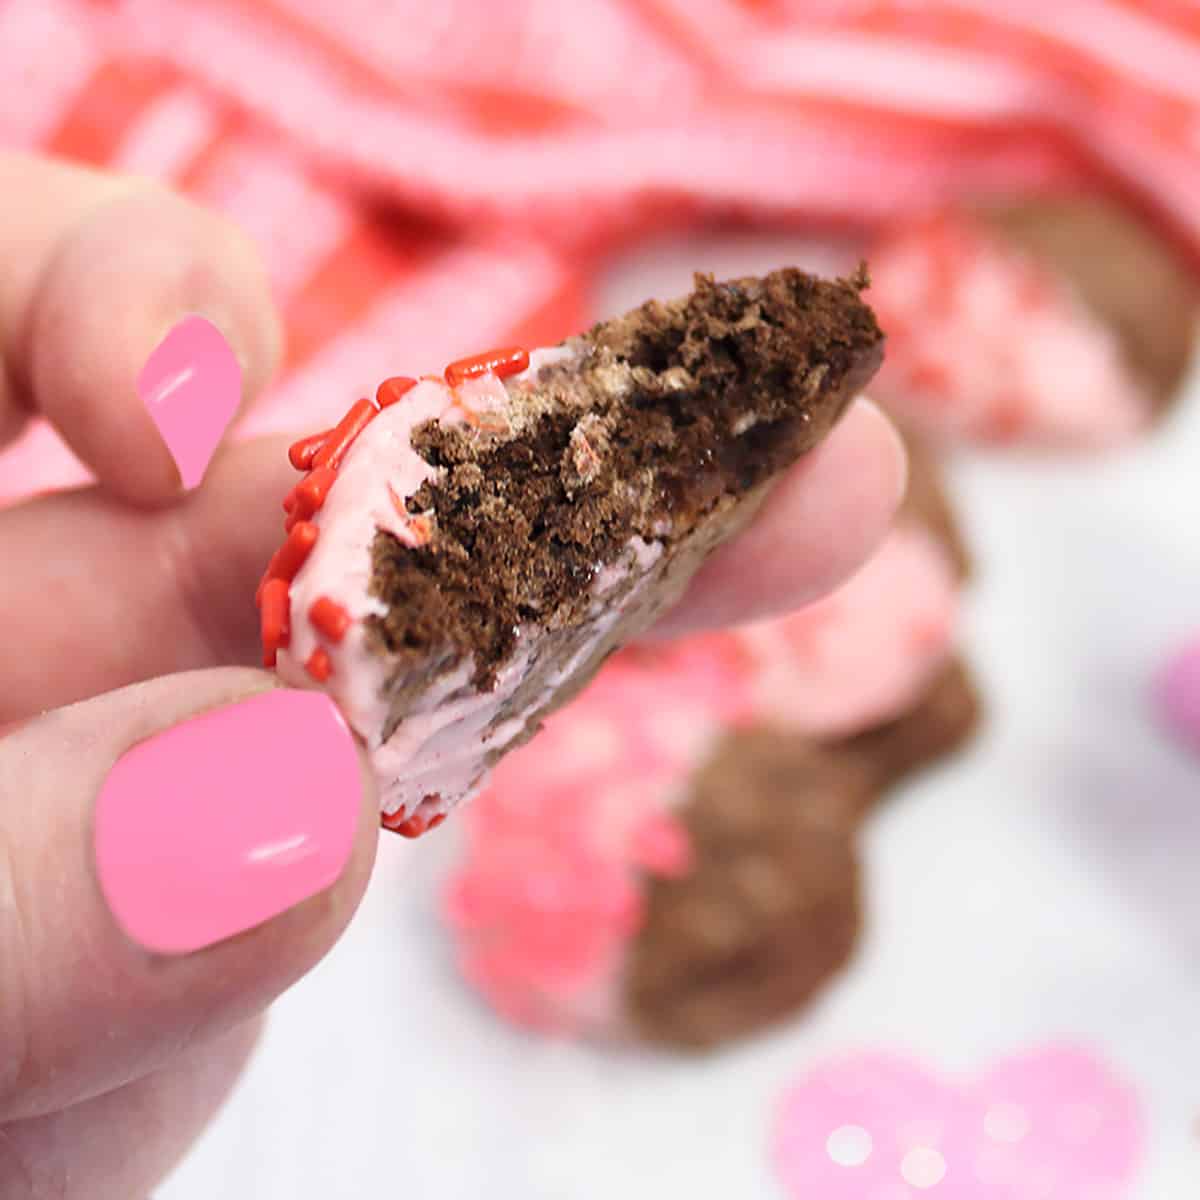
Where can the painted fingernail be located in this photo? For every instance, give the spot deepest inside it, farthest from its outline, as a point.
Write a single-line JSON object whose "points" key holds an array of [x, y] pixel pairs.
{"points": [[220, 823], [191, 385]]}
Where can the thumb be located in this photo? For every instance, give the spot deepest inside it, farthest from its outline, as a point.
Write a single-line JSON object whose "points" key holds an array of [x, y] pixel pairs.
{"points": [[172, 856]]}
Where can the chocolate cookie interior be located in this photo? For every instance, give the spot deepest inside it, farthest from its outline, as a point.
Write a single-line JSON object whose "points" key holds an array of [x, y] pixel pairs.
{"points": [[655, 421]]}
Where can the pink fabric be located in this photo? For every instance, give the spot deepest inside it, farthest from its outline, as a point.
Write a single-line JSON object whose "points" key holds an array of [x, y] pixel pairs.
{"points": [[429, 178], [1046, 1123]]}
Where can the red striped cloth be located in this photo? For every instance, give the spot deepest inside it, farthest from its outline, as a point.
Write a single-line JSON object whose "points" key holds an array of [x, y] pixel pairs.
{"points": [[425, 178]]}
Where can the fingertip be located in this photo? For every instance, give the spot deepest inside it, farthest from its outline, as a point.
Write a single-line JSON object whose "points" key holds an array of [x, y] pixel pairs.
{"points": [[887, 448], [819, 524], [207, 838], [151, 327]]}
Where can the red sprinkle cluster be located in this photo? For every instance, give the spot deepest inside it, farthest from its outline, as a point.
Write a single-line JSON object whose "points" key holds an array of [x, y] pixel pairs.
{"points": [[319, 456], [413, 826]]}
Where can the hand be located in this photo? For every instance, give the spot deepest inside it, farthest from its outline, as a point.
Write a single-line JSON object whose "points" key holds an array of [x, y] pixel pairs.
{"points": [[113, 1056]]}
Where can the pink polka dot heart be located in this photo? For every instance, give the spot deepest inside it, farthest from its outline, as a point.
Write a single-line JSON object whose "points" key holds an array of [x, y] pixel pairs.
{"points": [[1051, 1124]]}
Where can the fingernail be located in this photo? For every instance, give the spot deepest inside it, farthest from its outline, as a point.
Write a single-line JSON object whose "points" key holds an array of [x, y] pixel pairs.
{"points": [[191, 385], [220, 823]]}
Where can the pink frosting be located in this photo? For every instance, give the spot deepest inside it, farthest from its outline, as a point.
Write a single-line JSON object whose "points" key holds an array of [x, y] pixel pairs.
{"points": [[560, 846], [1046, 1123], [550, 890], [434, 757], [857, 657], [985, 343]]}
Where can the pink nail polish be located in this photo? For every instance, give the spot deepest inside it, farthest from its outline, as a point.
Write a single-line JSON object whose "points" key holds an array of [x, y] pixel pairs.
{"points": [[191, 385], [228, 819]]}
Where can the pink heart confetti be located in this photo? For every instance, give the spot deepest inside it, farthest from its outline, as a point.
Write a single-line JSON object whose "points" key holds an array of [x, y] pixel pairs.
{"points": [[1178, 694], [1048, 1124]]}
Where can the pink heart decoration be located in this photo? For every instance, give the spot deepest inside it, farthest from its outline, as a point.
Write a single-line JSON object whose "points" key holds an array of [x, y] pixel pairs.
{"points": [[1050, 1124]]}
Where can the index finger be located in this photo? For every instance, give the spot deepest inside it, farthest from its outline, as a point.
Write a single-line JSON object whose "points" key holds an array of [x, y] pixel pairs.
{"points": [[127, 315]]}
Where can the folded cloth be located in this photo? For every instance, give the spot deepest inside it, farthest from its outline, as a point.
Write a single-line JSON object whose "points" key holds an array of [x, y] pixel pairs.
{"points": [[425, 179]]}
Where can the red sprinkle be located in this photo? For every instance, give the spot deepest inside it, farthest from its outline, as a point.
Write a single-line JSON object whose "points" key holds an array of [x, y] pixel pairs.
{"points": [[412, 828], [302, 453], [329, 618], [318, 665], [309, 494], [276, 619], [397, 503], [342, 436], [289, 558], [420, 528], [392, 390], [509, 361]]}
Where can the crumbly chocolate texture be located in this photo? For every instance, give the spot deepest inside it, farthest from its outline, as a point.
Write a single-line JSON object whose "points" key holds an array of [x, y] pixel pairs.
{"points": [[662, 419], [772, 910], [1131, 279]]}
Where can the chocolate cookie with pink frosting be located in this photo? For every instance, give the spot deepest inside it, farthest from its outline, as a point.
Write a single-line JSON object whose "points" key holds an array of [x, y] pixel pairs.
{"points": [[673, 858], [1059, 323], [465, 550]]}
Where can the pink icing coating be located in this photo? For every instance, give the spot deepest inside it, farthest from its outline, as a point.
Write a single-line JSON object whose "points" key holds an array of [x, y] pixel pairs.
{"points": [[985, 343], [550, 890], [434, 757], [1047, 1123], [560, 846], [861, 655]]}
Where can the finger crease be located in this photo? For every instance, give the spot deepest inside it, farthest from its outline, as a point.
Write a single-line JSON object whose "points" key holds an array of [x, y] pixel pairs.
{"points": [[185, 567]]}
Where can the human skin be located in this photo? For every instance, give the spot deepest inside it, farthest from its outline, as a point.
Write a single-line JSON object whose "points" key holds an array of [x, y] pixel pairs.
{"points": [[127, 608]]}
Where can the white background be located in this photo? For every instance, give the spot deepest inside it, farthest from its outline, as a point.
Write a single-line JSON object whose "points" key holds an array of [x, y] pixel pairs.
{"points": [[1047, 883]]}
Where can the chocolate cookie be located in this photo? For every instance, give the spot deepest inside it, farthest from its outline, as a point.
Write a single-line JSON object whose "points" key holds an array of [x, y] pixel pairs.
{"points": [[1061, 323], [771, 910], [467, 551], [1126, 275]]}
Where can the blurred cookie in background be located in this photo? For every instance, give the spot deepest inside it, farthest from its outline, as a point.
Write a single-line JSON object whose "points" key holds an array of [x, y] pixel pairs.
{"points": [[672, 859], [1061, 323]]}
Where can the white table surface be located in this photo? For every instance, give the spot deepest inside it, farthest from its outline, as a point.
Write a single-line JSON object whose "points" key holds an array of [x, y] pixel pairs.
{"points": [[1045, 884]]}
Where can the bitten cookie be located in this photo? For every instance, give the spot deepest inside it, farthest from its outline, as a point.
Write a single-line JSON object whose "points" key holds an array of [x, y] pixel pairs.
{"points": [[1054, 322], [465, 550], [673, 858]]}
